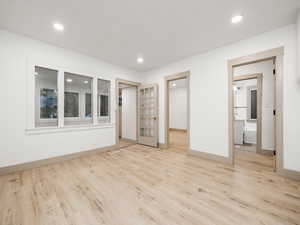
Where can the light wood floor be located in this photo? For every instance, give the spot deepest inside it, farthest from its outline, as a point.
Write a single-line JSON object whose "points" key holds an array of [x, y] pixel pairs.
{"points": [[246, 147], [178, 140], [123, 143], [252, 160], [139, 185]]}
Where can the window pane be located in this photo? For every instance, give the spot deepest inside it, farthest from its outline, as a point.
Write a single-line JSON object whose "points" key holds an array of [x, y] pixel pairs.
{"points": [[78, 99], [104, 105], [253, 104], [48, 103], [103, 100], [88, 105], [71, 104], [45, 97]]}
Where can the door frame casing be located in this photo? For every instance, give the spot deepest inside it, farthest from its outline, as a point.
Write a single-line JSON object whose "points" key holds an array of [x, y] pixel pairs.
{"points": [[259, 78], [277, 54], [136, 85], [168, 79]]}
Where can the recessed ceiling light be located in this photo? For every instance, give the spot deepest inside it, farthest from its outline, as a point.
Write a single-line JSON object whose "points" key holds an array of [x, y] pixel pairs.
{"points": [[140, 60], [86, 82], [237, 19], [58, 26], [69, 80]]}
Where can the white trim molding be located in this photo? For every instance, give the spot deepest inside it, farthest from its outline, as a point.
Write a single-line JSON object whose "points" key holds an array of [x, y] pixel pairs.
{"points": [[57, 159], [45, 130]]}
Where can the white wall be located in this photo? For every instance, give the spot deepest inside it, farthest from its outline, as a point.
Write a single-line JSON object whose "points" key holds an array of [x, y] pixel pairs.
{"points": [[178, 108], [16, 144], [208, 96], [298, 45], [129, 96], [209, 93], [266, 68]]}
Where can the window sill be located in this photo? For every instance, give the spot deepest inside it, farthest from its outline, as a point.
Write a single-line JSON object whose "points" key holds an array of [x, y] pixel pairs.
{"points": [[46, 130]]}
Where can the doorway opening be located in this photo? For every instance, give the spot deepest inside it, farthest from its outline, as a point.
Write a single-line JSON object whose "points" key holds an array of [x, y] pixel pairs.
{"points": [[255, 97], [247, 112], [127, 113], [177, 112], [136, 113]]}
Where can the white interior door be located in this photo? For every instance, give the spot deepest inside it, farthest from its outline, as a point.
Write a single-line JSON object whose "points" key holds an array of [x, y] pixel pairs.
{"points": [[148, 115]]}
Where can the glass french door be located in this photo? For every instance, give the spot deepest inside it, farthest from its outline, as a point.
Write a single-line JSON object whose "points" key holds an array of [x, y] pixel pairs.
{"points": [[148, 115]]}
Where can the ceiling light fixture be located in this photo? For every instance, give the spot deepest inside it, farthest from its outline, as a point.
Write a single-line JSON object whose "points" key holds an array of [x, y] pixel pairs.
{"points": [[86, 82], [174, 85], [69, 80], [140, 60], [237, 19], [58, 26]]}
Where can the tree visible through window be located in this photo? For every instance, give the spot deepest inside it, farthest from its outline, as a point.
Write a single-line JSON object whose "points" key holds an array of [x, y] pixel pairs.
{"points": [[48, 103], [45, 97]]}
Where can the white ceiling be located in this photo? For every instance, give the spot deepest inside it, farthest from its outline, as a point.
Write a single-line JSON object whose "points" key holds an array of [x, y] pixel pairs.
{"points": [[161, 30]]}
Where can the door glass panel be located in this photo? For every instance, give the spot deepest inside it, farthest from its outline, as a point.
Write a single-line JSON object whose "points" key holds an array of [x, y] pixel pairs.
{"points": [[148, 123], [147, 112]]}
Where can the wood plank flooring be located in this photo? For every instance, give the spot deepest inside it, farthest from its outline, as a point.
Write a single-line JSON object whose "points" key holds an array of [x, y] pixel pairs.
{"points": [[125, 143], [178, 140], [139, 185]]}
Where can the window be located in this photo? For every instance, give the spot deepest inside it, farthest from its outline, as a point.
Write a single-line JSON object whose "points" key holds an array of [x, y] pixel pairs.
{"points": [[48, 103], [103, 100], [78, 99], [88, 105], [45, 97], [75, 97], [71, 104], [253, 104], [103, 105]]}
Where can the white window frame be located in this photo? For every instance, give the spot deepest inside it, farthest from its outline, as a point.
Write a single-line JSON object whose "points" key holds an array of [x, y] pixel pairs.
{"points": [[31, 94], [81, 99]]}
